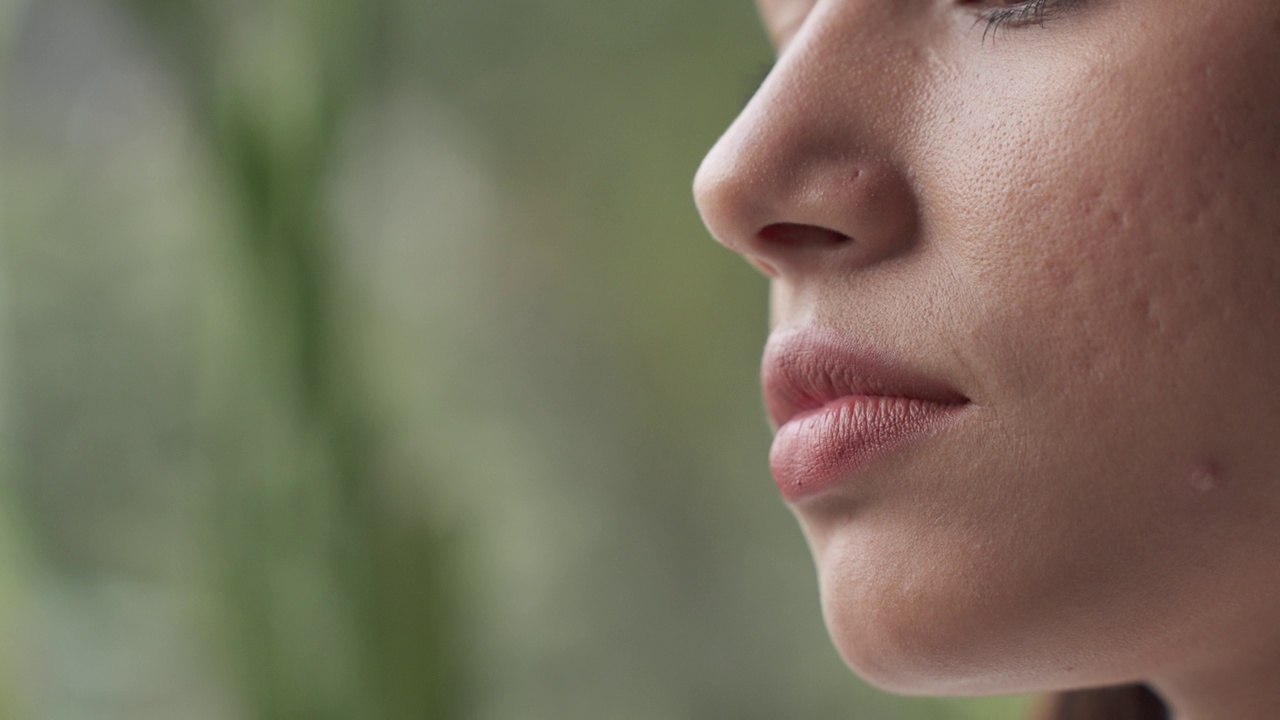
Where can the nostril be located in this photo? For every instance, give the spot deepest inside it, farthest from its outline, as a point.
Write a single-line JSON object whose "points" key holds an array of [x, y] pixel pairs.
{"points": [[797, 235]]}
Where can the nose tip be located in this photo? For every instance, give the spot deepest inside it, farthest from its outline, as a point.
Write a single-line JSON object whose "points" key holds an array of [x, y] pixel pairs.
{"points": [[793, 211], [812, 175]]}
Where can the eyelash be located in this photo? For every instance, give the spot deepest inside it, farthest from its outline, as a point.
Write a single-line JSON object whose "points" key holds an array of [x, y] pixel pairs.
{"points": [[1022, 14]]}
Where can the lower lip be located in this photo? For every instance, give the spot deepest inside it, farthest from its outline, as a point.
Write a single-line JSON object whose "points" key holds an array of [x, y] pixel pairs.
{"points": [[823, 448]]}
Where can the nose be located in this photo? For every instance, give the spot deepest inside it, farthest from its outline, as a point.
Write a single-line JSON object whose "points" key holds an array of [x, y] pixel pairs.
{"points": [[805, 179]]}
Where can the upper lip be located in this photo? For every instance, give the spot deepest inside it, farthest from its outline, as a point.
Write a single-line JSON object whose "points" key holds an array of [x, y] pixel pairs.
{"points": [[806, 368]]}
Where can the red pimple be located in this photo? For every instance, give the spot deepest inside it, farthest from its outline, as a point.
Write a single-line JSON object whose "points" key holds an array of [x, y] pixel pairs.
{"points": [[1205, 476]]}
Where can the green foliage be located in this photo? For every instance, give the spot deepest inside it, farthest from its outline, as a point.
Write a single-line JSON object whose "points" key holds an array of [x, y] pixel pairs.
{"points": [[340, 611]]}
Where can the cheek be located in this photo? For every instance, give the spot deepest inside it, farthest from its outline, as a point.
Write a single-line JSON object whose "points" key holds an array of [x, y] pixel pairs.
{"points": [[1123, 231], [1115, 254]]}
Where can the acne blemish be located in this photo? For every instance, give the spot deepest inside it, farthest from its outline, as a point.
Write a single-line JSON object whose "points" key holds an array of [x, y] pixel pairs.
{"points": [[1205, 476]]}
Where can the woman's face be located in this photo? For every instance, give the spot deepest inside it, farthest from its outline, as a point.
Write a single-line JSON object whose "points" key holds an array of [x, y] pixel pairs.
{"points": [[1060, 237]]}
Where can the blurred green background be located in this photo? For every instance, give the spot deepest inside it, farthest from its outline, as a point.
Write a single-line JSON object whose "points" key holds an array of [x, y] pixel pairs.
{"points": [[367, 359]]}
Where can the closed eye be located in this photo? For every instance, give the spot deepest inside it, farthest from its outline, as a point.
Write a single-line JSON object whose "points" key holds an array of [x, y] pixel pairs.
{"points": [[997, 15]]}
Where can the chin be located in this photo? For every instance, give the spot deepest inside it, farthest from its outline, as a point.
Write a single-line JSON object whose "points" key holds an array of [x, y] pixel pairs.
{"points": [[923, 628], [941, 633], [891, 635], [898, 656]]}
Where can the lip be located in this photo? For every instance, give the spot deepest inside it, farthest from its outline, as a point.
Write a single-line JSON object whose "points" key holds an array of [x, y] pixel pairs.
{"points": [[839, 406]]}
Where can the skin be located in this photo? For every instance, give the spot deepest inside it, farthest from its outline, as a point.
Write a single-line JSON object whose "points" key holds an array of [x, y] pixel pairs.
{"points": [[1078, 227]]}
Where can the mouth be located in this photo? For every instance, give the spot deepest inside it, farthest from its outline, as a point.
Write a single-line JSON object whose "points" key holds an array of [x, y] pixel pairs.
{"points": [[838, 406]]}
